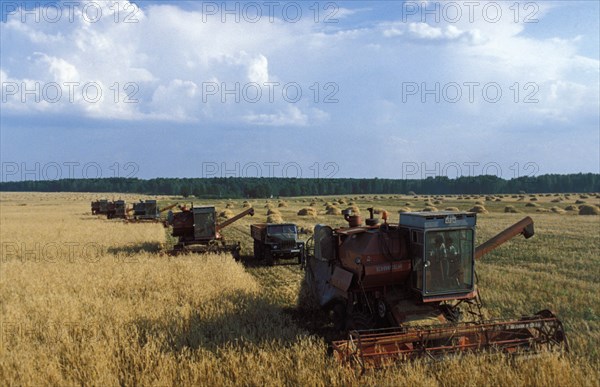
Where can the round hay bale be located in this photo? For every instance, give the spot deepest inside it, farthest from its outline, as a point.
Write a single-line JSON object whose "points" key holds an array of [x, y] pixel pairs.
{"points": [[498, 200], [542, 210], [313, 204], [479, 203], [282, 204], [589, 210], [341, 201], [226, 214], [557, 200], [532, 205], [246, 204], [479, 209], [307, 211], [274, 218], [429, 209], [511, 209], [571, 208], [229, 205], [407, 204], [534, 199], [437, 202], [557, 210], [454, 209], [273, 211], [333, 211], [404, 209], [583, 197], [579, 201]]}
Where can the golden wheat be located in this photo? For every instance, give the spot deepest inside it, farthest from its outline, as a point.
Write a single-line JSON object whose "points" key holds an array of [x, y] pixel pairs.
{"points": [[88, 301]]}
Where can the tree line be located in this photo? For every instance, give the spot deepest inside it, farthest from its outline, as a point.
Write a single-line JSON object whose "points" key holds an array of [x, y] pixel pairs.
{"points": [[240, 187]]}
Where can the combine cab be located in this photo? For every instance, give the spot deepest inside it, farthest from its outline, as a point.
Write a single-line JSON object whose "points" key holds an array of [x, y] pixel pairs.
{"points": [[116, 210], [145, 210], [408, 290], [100, 207], [197, 231], [148, 212], [95, 207]]}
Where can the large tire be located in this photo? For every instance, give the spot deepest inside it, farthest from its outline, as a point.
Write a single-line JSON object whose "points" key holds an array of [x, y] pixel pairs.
{"points": [[360, 321], [269, 257], [338, 315], [257, 250]]}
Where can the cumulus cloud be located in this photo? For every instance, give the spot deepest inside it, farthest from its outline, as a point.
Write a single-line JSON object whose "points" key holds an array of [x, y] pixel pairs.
{"points": [[258, 70], [175, 64]]}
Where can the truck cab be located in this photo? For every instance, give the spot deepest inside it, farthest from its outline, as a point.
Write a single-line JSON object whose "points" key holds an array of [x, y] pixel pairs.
{"points": [[273, 241], [441, 248]]}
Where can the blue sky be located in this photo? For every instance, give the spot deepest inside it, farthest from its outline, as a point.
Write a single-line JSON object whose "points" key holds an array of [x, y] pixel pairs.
{"points": [[344, 89]]}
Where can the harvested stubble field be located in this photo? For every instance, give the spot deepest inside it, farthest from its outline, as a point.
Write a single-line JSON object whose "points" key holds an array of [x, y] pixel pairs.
{"points": [[88, 301]]}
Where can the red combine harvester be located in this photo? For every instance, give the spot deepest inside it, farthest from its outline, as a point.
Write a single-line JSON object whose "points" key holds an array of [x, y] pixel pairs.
{"points": [[408, 290], [197, 231]]}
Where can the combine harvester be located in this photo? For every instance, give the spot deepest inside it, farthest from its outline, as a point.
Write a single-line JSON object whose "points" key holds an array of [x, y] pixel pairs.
{"points": [[407, 290], [117, 209], [100, 207], [148, 212], [197, 231]]}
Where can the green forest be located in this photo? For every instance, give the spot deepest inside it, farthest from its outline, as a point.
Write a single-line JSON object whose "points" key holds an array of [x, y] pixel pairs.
{"points": [[238, 187]]}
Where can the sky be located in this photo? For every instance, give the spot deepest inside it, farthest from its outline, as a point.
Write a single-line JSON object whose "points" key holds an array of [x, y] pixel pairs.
{"points": [[388, 89]]}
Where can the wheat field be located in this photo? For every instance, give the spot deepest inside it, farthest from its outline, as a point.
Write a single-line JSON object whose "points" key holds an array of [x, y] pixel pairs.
{"points": [[90, 301]]}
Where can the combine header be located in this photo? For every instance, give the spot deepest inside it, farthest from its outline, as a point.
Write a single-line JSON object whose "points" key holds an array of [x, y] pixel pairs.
{"points": [[197, 231], [408, 290]]}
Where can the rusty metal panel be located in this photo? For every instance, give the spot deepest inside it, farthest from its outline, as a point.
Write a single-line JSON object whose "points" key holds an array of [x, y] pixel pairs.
{"points": [[341, 278]]}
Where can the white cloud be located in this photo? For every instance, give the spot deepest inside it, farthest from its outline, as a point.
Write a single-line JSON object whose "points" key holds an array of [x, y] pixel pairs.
{"points": [[292, 116], [171, 54], [258, 70]]}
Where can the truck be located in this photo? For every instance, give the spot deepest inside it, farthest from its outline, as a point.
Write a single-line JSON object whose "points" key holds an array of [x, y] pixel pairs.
{"points": [[274, 241]]}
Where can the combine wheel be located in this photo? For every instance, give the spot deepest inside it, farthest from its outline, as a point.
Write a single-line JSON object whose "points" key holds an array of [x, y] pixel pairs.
{"points": [[338, 315], [359, 321]]}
